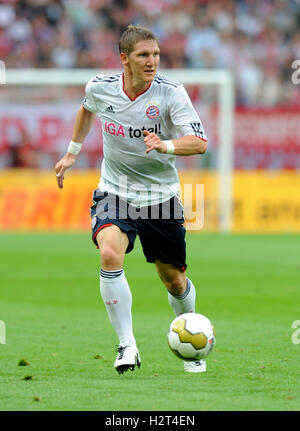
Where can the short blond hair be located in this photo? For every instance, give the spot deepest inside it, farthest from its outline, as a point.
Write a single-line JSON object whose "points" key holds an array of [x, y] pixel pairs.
{"points": [[132, 35]]}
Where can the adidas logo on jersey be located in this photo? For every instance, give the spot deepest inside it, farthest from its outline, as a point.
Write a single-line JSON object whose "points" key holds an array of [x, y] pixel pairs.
{"points": [[110, 109]]}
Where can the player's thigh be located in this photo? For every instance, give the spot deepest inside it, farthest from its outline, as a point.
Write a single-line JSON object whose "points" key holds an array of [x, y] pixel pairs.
{"points": [[173, 278], [112, 243]]}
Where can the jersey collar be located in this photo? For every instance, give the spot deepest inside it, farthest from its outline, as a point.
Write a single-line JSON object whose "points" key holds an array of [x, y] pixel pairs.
{"points": [[123, 89]]}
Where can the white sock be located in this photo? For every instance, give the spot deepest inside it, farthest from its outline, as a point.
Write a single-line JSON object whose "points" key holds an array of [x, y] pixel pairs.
{"points": [[117, 298], [184, 303]]}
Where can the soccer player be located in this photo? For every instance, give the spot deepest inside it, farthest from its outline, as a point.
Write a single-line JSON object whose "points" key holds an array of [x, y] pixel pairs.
{"points": [[147, 120]]}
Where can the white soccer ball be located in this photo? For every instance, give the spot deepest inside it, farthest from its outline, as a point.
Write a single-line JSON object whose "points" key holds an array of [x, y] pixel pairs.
{"points": [[191, 336]]}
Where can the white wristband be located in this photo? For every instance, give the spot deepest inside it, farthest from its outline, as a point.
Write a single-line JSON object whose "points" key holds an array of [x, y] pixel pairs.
{"points": [[170, 147], [74, 147]]}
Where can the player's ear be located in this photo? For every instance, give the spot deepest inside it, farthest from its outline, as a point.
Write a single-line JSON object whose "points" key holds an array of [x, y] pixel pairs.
{"points": [[124, 58]]}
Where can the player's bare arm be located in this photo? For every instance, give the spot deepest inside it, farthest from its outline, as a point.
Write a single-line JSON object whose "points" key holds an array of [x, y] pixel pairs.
{"points": [[185, 146], [82, 126]]}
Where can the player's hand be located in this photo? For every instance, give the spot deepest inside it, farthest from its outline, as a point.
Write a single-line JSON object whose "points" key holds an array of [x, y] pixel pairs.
{"points": [[66, 162], [153, 142]]}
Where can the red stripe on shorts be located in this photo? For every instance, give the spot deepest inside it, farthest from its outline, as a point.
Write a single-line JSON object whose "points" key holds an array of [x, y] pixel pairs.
{"points": [[98, 230]]}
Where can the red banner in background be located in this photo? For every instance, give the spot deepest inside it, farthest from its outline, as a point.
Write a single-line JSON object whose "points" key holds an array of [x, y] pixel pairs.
{"points": [[49, 126], [264, 138], [267, 138], [276, 126]]}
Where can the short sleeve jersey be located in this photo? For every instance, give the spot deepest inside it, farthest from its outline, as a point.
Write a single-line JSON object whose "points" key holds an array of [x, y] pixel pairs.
{"points": [[163, 108]]}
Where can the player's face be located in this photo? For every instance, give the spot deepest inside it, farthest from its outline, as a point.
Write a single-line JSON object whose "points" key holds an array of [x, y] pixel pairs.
{"points": [[144, 59]]}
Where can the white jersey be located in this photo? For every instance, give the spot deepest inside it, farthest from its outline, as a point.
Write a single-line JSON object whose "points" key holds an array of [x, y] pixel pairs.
{"points": [[165, 109]]}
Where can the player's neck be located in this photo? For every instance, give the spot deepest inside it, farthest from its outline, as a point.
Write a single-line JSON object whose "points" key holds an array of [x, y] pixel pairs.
{"points": [[132, 86]]}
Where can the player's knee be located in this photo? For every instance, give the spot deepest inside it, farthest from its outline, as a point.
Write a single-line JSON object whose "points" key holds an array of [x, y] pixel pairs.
{"points": [[110, 258]]}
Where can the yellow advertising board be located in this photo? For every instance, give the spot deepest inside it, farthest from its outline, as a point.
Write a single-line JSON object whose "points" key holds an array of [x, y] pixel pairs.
{"points": [[31, 200], [263, 201], [267, 201]]}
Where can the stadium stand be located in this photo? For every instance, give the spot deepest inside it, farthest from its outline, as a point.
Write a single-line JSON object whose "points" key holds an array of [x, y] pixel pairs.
{"points": [[257, 39]]}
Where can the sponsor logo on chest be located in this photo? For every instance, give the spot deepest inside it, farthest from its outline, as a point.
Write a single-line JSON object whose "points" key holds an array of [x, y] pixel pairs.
{"points": [[119, 131]]}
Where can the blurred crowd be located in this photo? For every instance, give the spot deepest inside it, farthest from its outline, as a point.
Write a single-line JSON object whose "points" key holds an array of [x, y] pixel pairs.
{"points": [[257, 39]]}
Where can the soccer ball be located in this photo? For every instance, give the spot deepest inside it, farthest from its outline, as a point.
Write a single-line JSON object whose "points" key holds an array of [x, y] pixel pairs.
{"points": [[191, 336]]}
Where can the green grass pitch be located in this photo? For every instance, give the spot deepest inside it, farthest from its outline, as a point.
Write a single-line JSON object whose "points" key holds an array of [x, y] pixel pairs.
{"points": [[248, 285]]}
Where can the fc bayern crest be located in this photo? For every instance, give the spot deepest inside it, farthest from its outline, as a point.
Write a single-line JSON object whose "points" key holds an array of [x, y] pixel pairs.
{"points": [[152, 112]]}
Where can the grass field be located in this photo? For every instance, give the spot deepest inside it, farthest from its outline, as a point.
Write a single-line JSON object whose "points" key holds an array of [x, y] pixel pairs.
{"points": [[249, 286]]}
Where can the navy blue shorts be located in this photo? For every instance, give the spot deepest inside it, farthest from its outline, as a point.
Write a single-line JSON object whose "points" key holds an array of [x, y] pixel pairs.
{"points": [[159, 227]]}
